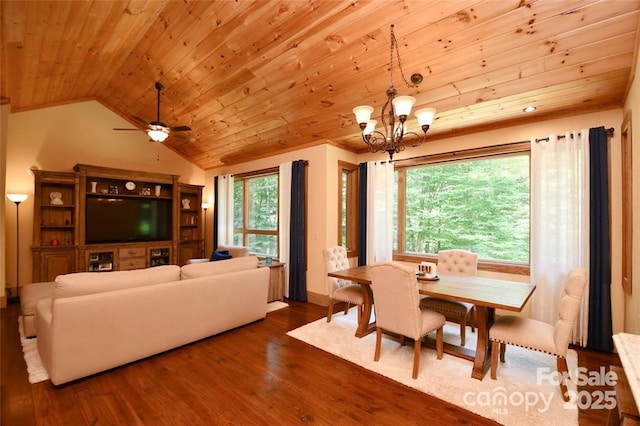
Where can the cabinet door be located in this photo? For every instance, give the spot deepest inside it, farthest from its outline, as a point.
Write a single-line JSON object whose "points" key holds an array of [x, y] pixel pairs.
{"points": [[189, 251], [56, 263]]}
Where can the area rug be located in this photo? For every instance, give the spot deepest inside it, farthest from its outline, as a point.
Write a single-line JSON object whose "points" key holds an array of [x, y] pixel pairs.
{"points": [[36, 370], [523, 393], [274, 306]]}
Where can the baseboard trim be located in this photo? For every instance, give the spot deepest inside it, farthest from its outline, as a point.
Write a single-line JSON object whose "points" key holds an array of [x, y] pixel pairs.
{"points": [[317, 299]]}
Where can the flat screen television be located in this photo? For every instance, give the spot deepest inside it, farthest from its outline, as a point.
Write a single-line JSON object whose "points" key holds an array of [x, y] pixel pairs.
{"points": [[119, 220]]}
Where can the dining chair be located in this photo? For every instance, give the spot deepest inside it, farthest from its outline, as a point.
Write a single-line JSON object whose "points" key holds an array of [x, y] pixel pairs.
{"points": [[398, 310], [335, 259], [540, 336], [460, 263]]}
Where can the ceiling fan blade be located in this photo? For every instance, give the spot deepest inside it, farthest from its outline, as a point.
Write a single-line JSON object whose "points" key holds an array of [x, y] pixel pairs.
{"points": [[180, 129], [183, 137], [140, 120]]}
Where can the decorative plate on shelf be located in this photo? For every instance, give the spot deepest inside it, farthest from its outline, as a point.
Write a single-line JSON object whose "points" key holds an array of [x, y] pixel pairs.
{"points": [[130, 186]]}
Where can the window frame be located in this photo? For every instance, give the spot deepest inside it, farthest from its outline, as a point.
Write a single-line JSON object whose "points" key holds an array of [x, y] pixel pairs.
{"points": [[244, 230], [516, 268], [352, 206]]}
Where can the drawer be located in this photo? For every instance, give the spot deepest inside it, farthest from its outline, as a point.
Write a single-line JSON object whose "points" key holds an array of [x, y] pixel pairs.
{"points": [[132, 263], [132, 252]]}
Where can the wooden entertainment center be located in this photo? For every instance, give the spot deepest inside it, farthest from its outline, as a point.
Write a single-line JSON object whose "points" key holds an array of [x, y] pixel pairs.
{"points": [[60, 242]]}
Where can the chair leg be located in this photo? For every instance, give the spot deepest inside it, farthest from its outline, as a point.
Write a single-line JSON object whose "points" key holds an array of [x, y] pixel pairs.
{"points": [[494, 359], [563, 371], [402, 342], [376, 356], [330, 310], [439, 343], [417, 347], [503, 348], [463, 329], [346, 307]]}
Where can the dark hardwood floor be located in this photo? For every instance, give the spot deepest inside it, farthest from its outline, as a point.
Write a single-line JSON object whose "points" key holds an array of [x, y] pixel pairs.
{"points": [[253, 375]]}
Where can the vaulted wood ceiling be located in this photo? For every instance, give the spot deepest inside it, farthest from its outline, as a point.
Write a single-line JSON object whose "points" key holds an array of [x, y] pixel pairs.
{"points": [[253, 78]]}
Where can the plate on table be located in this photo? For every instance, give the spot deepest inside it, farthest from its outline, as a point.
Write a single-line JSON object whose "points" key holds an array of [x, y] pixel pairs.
{"points": [[425, 277]]}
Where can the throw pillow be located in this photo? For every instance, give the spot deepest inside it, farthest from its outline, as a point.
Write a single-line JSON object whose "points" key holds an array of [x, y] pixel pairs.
{"points": [[220, 255]]}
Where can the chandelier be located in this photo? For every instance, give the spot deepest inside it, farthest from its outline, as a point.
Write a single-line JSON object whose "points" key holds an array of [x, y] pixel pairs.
{"points": [[394, 114]]}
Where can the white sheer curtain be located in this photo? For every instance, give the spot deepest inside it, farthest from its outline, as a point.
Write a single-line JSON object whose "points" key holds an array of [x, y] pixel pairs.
{"points": [[225, 210], [559, 222], [379, 211], [284, 220]]}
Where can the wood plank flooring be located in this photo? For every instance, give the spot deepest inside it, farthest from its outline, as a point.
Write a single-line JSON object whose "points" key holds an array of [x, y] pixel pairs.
{"points": [[253, 375]]}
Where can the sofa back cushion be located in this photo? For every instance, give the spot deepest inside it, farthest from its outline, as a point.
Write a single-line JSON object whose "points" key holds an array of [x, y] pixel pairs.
{"points": [[81, 283], [197, 270], [234, 251]]}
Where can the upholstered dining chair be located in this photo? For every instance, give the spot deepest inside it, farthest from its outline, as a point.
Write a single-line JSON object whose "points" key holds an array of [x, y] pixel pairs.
{"points": [[538, 335], [461, 263], [398, 309], [335, 259]]}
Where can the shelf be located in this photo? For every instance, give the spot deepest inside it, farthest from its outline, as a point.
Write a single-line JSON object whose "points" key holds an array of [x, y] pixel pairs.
{"points": [[58, 206], [100, 195]]}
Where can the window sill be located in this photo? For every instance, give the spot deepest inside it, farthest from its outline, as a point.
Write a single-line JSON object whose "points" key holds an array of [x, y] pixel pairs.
{"points": [[515, 268]]}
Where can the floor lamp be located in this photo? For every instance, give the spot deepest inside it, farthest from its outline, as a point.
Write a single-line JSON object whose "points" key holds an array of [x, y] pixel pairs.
{"points": [[205, 206], [17, 198]]}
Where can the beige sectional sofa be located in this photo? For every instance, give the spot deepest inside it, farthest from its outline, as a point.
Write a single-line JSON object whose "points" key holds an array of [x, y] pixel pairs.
{"points": [[97, 321]]}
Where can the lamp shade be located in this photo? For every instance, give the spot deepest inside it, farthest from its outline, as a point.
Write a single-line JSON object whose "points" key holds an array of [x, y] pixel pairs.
{"points": [[425, 116], [371, 126], [158, 135], [363, 113], [17, 198], [403, 104]]}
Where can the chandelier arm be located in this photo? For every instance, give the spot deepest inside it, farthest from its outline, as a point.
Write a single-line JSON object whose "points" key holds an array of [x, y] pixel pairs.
{"points": [[420, 139]]}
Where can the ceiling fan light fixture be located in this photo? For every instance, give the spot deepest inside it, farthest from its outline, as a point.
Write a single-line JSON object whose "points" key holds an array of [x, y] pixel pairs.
{"points": [[158, 134]]}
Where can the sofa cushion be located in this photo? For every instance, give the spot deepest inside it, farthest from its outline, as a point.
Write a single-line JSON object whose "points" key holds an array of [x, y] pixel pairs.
{"points": [[234, 251], [196, 270], [81, 283]]}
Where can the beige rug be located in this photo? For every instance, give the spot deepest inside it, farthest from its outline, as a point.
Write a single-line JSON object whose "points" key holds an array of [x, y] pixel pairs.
{"points": [[515, 398], [36, 370]]}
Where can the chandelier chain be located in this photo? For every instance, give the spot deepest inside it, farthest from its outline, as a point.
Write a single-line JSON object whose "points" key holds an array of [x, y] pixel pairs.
{"points": [[394, 42]]}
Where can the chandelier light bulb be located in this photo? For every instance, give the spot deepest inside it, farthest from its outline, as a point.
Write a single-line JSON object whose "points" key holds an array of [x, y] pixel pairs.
{"points": [[371, 126], [363, 114], [425, 116], [403, 105]]}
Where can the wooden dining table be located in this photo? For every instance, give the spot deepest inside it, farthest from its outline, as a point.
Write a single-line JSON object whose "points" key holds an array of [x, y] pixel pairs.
{"points": [[486, 294]]}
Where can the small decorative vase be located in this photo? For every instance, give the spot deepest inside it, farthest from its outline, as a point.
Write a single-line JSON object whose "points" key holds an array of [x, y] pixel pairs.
{"points": [[94, 186]]}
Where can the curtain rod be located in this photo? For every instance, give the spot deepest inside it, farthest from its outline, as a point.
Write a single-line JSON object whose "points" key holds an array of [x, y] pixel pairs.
{"points": [[609, 131]]}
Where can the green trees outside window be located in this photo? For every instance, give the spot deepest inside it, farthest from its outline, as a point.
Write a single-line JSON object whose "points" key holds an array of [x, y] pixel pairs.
{"points": [[480, 205], [255, 214]]}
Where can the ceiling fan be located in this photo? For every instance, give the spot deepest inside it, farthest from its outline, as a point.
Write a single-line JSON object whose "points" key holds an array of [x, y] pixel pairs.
{"points": [[157, 130]]}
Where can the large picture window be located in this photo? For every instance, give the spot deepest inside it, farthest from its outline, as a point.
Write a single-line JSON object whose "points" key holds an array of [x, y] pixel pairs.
{"points": [[255, 213], [480, 203]]}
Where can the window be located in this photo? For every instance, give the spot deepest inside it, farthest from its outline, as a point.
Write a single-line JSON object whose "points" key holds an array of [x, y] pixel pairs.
{"points": [[479, 203], [255, 213], [348, 207]]}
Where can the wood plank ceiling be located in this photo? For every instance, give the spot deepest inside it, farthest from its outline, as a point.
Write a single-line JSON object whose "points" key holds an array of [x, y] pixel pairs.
{"points": [[254, 78]]}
